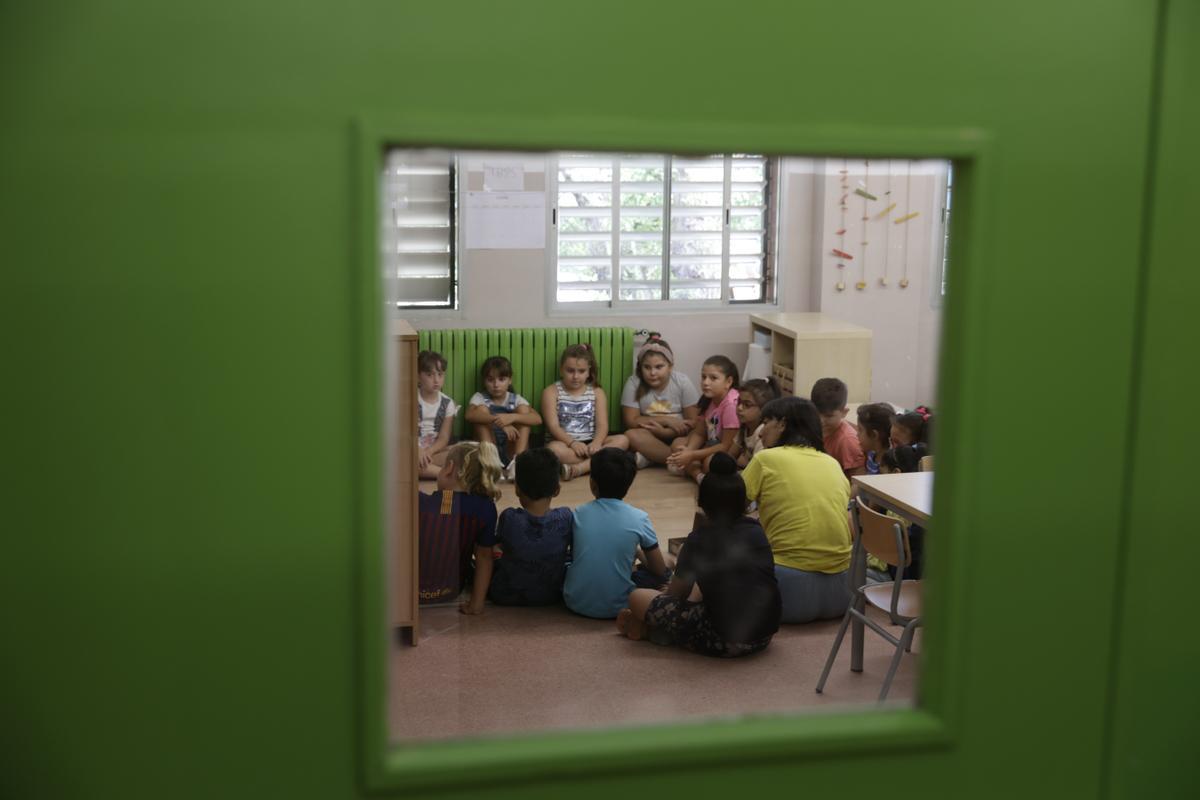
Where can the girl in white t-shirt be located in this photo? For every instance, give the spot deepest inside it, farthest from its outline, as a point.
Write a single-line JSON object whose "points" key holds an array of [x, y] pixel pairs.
{"points": [[435, 413], [500, 415], [658, 404]]}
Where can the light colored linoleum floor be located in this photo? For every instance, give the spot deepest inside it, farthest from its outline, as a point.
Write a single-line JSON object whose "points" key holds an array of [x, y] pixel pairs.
{"points": [[527, 669]]}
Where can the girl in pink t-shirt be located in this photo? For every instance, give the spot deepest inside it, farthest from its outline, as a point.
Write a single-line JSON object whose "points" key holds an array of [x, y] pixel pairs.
{"points": [[718, 410]]}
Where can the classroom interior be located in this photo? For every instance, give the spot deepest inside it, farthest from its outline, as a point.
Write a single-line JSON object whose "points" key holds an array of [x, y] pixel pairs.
{"points": [[857, 241]]}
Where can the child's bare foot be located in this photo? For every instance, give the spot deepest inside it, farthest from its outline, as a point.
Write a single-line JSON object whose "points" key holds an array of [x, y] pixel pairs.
{"points": [[629, 625]]}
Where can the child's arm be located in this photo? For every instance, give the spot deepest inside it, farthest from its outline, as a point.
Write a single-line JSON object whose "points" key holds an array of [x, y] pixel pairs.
{"points": [[524, 415], [689, 454], [654, 561], [483, 578], [601, 423], [443, 438]]}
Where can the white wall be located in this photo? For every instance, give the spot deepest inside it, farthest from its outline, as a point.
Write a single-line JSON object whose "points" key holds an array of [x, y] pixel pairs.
{"points": [[506, 288]]}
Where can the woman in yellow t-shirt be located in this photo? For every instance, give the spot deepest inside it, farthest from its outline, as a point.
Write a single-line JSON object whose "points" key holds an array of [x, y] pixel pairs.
{"points": [[802, 497]]}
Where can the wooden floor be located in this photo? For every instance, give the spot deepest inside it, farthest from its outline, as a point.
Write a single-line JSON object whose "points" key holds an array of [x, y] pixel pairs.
{"points": [[527, 669]]}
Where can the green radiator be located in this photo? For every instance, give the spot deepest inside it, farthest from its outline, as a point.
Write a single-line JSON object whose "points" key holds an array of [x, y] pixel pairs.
{"points": [[534, 355]]}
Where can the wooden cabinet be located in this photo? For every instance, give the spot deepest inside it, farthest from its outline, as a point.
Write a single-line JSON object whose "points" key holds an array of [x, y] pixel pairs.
{"points": [[805, 346], [403, 476]]}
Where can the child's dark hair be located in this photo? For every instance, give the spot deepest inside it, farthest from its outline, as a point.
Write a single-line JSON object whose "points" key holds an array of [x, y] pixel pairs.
{"points": [[918, 422], [877, 418], [430, 361], [583, 351], [829, 395], [613, 470], [655, 345], [763, 390], [801, 422], [497, 364], [722, 495], [537, 473], [728, 368], [905, 458]]}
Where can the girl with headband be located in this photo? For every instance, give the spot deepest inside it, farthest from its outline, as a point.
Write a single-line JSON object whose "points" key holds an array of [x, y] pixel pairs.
{"points": [[659, 405]]}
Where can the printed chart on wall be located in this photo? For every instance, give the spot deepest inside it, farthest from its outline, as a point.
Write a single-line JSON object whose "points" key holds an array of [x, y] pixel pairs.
{"points": [[505, 220]]}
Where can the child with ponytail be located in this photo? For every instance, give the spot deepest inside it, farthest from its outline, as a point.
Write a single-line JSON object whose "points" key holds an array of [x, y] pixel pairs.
{"points": [[458, 522]]}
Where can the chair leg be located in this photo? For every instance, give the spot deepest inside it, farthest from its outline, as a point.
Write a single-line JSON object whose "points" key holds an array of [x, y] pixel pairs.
{"points": [[833, 652], [901, 648]]}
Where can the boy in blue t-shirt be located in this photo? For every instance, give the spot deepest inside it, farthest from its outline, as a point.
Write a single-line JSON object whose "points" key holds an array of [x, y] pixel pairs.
{"points": [[534, 540], [608, 533]]}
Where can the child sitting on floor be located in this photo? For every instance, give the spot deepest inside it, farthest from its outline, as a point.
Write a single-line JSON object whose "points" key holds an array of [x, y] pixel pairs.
{"points": [[719, 429], [840, 437], [913, 427], [435, 413], [458, 522], [723, 599], [875, 432], [608, 534], [575, 411], [500, 415], [535, 539], [752, 396]]}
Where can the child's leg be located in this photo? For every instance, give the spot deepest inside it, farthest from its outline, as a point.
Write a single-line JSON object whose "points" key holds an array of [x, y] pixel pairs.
{"points": [[644, 442], [617, 440], [483, 433], [694, 470], [573, 465], [631, 621], [522, 443]]}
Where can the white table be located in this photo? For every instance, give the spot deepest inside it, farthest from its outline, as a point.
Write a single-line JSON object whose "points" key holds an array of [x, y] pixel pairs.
{"points": [[909, 495]]}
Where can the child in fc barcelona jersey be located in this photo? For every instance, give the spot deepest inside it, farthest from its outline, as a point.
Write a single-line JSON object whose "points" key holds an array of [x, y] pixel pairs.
{"points": [[458, 522]]}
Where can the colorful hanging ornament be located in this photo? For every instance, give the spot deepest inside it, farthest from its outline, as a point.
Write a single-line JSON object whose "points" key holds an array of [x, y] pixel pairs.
{"points": [[887, 242], [840, 286], [907, 204], [906, 217]]}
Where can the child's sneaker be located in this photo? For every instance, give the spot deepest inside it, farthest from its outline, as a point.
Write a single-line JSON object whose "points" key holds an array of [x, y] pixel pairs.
{"points": [[674, 470], [567, 472], [642, 461], [510, 472]]}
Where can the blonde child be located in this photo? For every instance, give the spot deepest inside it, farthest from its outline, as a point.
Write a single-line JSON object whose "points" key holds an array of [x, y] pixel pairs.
{"points": [[752, 396], [500, 415], [658, 403], [717, 434], [575, 412], [458, 522], [435, 413], [829, 395]]}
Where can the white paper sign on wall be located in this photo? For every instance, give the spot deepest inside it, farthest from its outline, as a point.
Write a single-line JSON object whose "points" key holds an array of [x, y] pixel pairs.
{"points": [[505, 221]]}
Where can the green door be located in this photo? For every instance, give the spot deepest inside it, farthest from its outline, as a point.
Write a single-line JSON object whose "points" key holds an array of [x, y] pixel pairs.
{"points": [[190, 396]]}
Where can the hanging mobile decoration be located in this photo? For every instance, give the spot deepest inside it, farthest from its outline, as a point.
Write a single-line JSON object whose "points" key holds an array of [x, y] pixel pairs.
{"points": [[887, 242], [865, 195], [840, 251], [907, 204]]}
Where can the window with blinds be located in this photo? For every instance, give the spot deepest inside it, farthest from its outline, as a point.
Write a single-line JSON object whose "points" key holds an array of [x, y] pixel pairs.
{"points": [[418, 192], [643, 228]]}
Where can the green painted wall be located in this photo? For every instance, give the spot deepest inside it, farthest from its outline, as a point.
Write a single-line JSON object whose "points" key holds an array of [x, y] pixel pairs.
{"points": [[183, 408]]}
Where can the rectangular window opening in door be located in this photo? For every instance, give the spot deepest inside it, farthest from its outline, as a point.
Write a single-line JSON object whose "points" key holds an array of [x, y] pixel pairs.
{"points": [[660, 427]]}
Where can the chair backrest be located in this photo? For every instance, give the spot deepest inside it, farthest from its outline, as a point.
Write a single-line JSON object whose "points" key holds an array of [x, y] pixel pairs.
{"points": [[925, 464], [880, 537]]}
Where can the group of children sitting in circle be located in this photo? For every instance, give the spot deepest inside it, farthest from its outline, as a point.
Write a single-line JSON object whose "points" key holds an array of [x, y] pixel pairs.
{"points": [[772, 544]]}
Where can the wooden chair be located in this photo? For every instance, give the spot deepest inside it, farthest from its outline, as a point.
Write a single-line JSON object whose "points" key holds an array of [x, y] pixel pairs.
{"points": [[886, 539]]}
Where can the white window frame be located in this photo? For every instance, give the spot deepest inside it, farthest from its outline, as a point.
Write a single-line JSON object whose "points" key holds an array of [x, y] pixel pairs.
{"points": [[773, 199], [453, 243]]}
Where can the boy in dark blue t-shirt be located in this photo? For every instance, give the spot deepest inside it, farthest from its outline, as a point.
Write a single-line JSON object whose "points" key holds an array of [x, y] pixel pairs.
{"points": [[534, 540]]}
